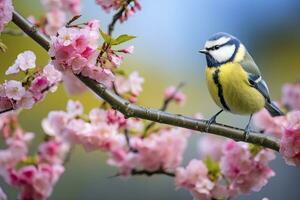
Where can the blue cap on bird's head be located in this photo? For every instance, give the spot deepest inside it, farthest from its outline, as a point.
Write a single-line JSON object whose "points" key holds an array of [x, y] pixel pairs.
{"points": [[219, 35], [220, 48]]}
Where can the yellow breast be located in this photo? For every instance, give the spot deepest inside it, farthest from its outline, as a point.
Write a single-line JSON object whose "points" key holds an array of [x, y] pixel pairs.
{"points": [[236, 94]]}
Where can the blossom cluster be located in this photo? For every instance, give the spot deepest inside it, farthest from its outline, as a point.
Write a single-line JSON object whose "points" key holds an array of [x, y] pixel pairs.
{"points": [[75, 51], [104, 130], [285, 128], [33, 88], [237, 168], [6, 9], [57, 12], [130, 6], [33, 176]]}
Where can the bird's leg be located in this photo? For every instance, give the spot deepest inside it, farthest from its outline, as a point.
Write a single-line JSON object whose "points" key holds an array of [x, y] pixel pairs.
{"points": [[212, 120], [247, 128]]}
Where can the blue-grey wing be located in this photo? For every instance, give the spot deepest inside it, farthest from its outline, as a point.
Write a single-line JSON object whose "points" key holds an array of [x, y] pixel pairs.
{"points": [[249, 65], [258, 83], [255, 80], [254, 76]]}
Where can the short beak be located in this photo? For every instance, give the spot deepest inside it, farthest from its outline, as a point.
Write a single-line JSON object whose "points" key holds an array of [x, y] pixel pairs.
{"points": [[204, 51]]}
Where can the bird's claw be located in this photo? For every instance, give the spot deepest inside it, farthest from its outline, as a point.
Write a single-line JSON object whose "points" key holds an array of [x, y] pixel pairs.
{"points": [[209, 123], [246, 133]]}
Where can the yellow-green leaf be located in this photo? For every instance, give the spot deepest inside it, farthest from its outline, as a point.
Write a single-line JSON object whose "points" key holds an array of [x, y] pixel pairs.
{"points": [[107, 38], [213, 167], [122, 38]]}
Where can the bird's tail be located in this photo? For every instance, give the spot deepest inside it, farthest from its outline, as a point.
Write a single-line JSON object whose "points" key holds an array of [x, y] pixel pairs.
{"points": [[273, 109]]}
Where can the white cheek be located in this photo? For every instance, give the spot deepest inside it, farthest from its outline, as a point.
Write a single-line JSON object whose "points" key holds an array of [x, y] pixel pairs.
{"points": [[223, 54]]}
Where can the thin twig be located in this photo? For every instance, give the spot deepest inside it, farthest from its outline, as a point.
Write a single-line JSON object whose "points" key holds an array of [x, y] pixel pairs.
{"points": [[117, 16], [148, 173], [127, 137], [133, 110], [164, 107], [6, 110]]}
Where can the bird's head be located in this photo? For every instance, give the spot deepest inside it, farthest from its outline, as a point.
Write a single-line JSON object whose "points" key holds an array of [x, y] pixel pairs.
{"points": [[220, 48]]}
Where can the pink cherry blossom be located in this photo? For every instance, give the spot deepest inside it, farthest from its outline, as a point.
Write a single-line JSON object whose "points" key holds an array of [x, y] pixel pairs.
{"points": [[51, 4], [101, 75], [101, 137], [74, 108], [168, 145], [291, 96], [130, 9], [195, 178], [246, 171], [123, 160], [122, 84], [115, 117], [270, 125], [128, 50], [38, 86], [97, 116], [6, 9], [53, 75], [27, 101], [135, 82], [135, 125], [74, 51], [36, 182], [14, 89], [71, 6], [290, 140], [55, 19], [24, 61], [94, 24], [211, 146], [107, 5], [72, 84], [116, 60], [178, 96], [16, 151], [55, 123], [53, 151], [132, 84]]}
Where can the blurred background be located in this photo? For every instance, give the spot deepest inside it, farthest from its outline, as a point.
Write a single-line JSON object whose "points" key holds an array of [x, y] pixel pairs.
{"points": [[170, 33]]}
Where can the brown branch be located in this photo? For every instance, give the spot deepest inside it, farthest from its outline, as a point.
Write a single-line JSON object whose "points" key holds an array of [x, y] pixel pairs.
{"points": [[133, 110]]}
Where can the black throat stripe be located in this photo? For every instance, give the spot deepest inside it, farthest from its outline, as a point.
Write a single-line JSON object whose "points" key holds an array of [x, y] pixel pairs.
{"points": [[220, 89]]}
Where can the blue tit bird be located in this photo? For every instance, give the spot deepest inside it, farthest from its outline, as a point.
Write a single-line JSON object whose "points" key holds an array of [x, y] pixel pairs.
{"points": [[234, 80]]}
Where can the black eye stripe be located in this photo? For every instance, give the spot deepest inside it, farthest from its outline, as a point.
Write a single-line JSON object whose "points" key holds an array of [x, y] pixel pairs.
{"points": [[218, 46]]}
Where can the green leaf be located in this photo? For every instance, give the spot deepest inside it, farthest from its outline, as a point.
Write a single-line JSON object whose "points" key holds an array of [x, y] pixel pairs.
{"points": [[122, 38], [120, 72], [254, 149], [213, 167], [29, 160], [107, 38]]}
